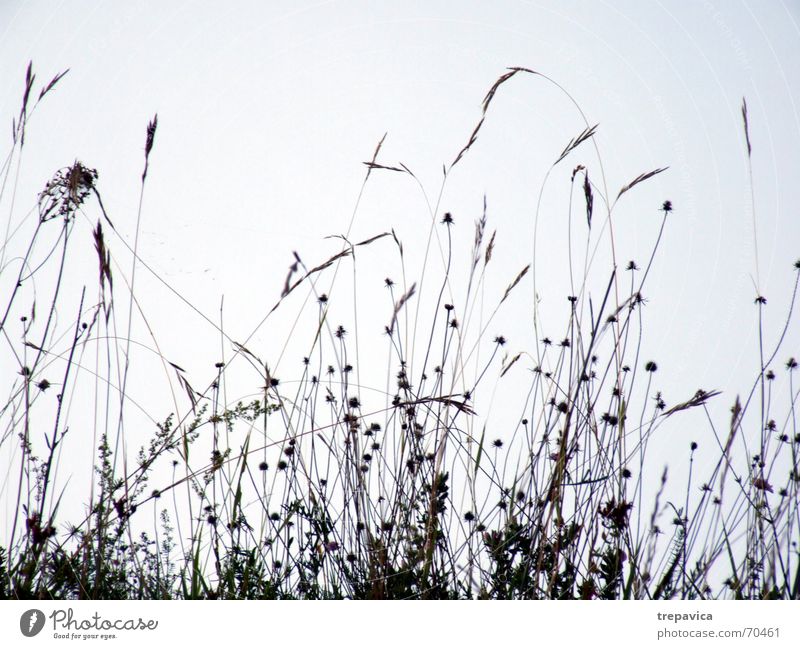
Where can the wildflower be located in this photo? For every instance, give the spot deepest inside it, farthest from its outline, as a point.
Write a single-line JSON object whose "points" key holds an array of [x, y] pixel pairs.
{"points": [[448, 218], [762, 485], [609, 419], [498, 443], [263, 466], [667, 206], [650, 366]]}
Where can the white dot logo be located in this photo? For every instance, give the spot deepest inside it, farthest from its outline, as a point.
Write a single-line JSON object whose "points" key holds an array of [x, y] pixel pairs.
{"points": [[31, 622]]}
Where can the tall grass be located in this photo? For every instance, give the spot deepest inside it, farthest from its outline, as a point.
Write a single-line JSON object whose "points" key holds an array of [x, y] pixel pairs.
{"points": [[374, 467]]}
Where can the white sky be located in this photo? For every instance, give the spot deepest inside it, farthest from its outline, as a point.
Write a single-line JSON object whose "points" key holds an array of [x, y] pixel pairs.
{"points": [[267, 109]]}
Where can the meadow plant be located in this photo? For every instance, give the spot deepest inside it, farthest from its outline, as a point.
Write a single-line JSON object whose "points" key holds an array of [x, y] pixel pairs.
{"points": [[326, 481]]}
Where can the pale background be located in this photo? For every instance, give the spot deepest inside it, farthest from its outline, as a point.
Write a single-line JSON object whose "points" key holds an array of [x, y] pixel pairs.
{"points": [[267, 110]]}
